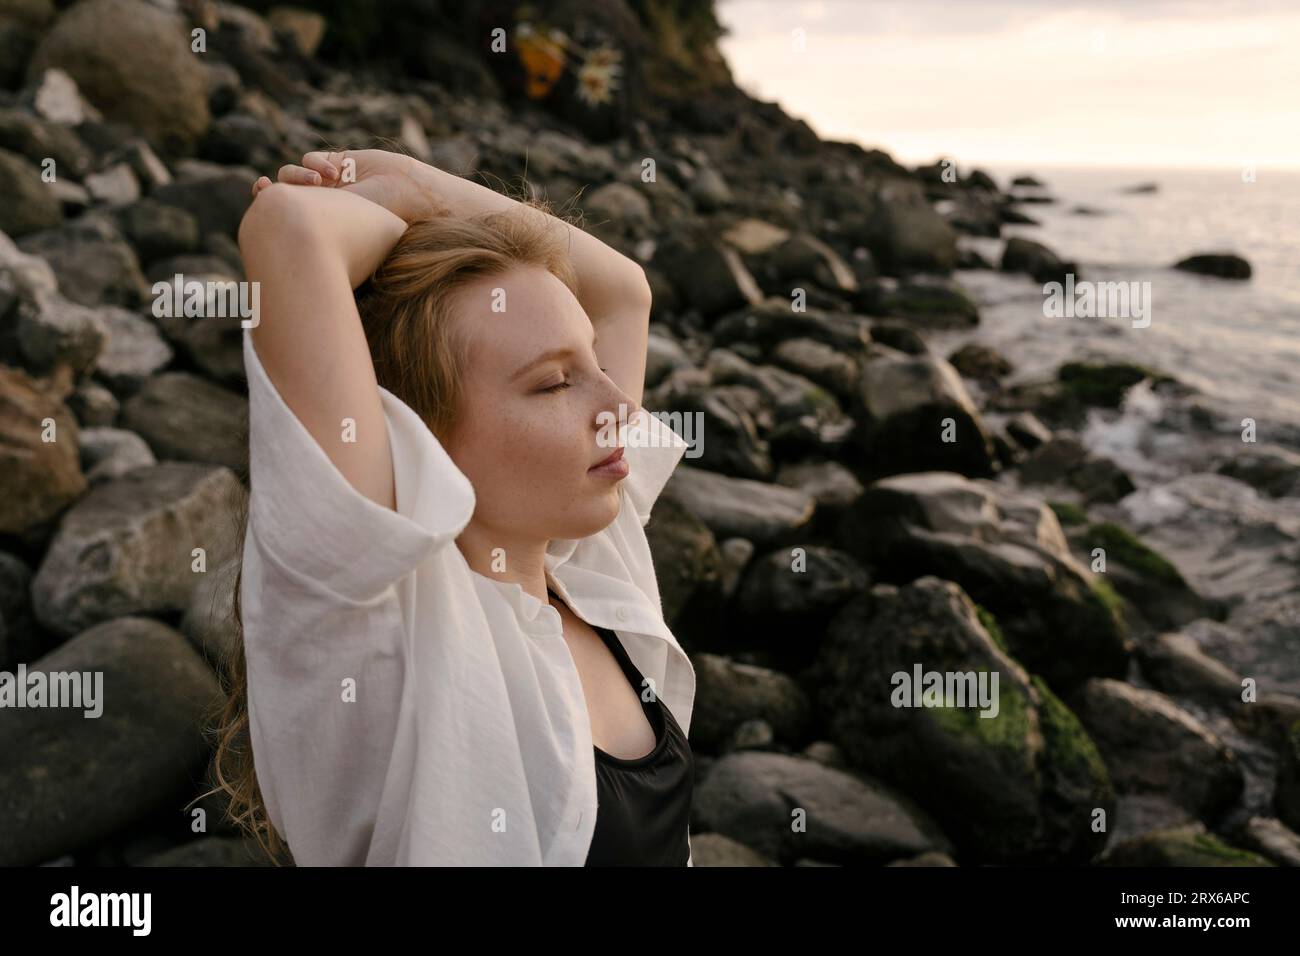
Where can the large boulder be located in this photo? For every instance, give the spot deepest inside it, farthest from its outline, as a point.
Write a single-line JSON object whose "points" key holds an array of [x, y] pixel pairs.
{"points": [[739, 507], [728, 694], [1152, 746], [1034, 258], [914, 414], [1010, 775], [1007, 550], [70, 779], [1187, 845], [133, 61], [787, 808], [187, 418], [129, 546], [907, 234], [1224, 265]]}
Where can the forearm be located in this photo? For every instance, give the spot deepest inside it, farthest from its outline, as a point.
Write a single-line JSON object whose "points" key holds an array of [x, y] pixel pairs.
{"points": [[612, 287], [338, 228]]}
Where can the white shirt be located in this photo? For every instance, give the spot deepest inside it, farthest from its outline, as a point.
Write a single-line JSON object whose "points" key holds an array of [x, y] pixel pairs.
{"points": [[405, 709]]}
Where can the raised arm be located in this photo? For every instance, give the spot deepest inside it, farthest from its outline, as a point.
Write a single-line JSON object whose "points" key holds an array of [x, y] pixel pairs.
{"points": [[308, 249], [613, 290]]}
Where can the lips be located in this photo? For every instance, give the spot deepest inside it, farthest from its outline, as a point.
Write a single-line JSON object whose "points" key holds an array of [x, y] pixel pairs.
{"points": [[614, 456]]}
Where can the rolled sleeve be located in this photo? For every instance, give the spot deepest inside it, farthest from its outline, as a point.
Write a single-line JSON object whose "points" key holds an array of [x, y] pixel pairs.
{"points": [[310, 519], [653, 450]]}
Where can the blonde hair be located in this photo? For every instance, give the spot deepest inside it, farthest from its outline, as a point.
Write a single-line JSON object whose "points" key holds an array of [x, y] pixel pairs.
{"points": [[419, 353]]}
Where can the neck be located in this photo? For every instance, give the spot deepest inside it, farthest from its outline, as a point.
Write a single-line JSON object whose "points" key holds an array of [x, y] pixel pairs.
{"points": [[504, 558]]}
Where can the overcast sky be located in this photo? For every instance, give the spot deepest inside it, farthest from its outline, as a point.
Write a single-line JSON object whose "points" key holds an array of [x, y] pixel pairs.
{"points": [[1145, 83]]}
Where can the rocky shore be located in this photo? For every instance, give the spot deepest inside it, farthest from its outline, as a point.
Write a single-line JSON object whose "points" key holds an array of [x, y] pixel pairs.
{"points": [[862, 501]]}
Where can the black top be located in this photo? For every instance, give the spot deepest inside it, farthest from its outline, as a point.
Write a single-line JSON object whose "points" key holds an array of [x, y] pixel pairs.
{"points": [[644, 804]]}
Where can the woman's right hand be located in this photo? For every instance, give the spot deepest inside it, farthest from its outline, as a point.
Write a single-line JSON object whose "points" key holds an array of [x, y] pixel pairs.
{"points": [[399, 183]]}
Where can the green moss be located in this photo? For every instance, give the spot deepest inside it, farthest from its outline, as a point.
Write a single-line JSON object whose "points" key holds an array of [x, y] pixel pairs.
{"points": [[1106, 597], [1208, 845], [1129, 552], [991, 625], [1069, 747], [1067, 513], [1105, 383], [1009, 730]]}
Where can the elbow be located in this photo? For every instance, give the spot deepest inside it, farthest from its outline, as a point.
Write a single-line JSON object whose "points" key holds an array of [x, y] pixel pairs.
{"points": [[641, 292], [276, 212]]}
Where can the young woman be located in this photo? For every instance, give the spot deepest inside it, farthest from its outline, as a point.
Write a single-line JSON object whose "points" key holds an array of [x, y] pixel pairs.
{"points": [[453, 650]]}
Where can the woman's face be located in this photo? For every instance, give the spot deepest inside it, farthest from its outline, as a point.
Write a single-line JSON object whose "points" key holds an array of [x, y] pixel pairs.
{"points": [[535, 408]]}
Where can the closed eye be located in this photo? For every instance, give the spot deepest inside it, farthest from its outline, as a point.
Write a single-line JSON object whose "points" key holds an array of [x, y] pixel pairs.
{"points": [[560, 386]]}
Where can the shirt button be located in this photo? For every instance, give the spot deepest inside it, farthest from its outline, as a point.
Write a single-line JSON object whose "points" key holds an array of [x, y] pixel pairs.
{"points": [[622, 613]]}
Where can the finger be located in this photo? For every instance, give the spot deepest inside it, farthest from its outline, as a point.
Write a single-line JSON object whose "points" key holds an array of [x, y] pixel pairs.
{"points": [[262, 183], [327, 164], [298, 175]]}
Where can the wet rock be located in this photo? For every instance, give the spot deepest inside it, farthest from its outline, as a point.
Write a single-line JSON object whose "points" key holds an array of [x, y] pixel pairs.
{"points": [[93, 405], [751, 796], [93, 263], [1105, 384], [915, 414], [1016, 787], [126, 547], [187, 418], [928, 302], [58, 332], [70, 781], [688, 565], [1142, 575], [1027, 431], [708, 275], [158, 230], [109, 453], [729, 694], [30, 204], [907, 234], [1224, 265], [789, 595], [980, 362], [1272, 839], [773, 321], [1189, 845], [1035, 259], [135, 350], [1176, 665], [37, 140], [1065, 461], [834, 488], [1007, 551], [738, 507], [217, 196], [828, 367], [1152, 746], [1272, 469], [89, 41], [115, 185], [41, 478]]}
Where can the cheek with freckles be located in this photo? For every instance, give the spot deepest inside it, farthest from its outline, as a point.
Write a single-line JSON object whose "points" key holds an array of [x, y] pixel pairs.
{"points": [[530, 475]]}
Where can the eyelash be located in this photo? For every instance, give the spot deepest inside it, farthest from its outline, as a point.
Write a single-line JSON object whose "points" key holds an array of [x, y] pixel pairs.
{"points": [[560, 386]]}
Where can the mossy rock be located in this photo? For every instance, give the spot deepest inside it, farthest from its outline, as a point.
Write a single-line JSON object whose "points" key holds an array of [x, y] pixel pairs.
{"points": [[1127, 550], [1104, 384], [1188, 845], [991, 625]]}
